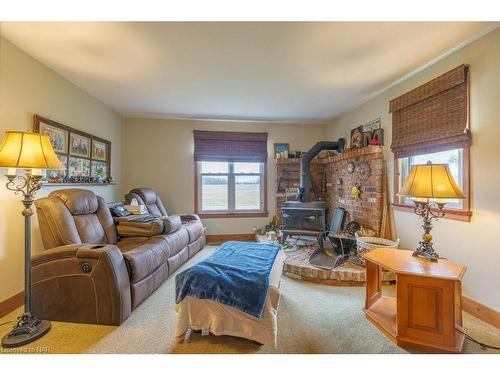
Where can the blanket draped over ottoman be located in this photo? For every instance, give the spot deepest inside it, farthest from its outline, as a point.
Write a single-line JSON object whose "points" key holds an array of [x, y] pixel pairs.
{"points": [[237, 275]]}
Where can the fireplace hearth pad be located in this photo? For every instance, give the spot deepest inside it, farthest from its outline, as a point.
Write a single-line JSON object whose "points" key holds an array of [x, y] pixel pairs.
{"points": [[297, 266]]}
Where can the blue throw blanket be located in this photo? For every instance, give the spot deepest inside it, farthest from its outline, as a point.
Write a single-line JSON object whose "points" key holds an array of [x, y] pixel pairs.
{"points": [[237, 274]]}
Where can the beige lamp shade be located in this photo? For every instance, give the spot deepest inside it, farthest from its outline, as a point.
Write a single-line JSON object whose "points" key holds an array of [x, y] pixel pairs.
{"points": [[28, 151], [431, 181]]}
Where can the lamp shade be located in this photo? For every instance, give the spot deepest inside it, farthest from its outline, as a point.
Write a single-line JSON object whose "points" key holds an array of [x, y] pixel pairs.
{"points": [[27, 150], [431, 181]]}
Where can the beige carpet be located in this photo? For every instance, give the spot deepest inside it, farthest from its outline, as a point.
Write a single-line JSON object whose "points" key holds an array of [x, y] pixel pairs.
{"points": [[312, 318]]}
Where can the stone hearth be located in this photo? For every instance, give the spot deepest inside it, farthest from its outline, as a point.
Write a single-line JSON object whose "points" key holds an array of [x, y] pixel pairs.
{"points": [[297, 266]]}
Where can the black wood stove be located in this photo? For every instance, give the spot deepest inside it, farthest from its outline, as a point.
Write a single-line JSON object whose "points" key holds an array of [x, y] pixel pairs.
{"points": [[305, 217]]}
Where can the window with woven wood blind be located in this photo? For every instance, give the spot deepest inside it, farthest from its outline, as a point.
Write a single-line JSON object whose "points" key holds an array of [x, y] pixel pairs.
{"points": [[230, 146], [433, 117], [431, 123], [230, 174]]}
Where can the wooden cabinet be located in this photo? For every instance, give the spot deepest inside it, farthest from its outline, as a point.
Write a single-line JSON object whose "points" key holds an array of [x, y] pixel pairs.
{"points": [[426, 314]]}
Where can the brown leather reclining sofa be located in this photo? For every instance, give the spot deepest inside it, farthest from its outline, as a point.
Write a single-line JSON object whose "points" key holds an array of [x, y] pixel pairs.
{"points": [[88, 274]]}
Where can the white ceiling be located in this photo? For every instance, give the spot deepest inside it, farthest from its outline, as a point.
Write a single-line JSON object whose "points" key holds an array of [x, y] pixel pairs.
{"points": [[308, 71]]}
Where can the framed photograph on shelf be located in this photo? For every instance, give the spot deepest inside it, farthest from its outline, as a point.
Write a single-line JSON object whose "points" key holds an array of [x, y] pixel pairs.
{"points": [[367, 137], [372, 125], [357, 137], [79, 145], [85, 157], [281, 147], [99, 150]]}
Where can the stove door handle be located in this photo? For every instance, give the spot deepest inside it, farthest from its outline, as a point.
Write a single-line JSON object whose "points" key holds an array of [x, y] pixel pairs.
{"points": [[312, 217], [285, 215]]}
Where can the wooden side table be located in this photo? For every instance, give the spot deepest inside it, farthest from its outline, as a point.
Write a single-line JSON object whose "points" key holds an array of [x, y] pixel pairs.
{"points": [[426, 314]]}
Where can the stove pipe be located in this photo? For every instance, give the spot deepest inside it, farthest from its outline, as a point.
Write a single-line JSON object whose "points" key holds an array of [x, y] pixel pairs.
{"points": [[305, 164]]}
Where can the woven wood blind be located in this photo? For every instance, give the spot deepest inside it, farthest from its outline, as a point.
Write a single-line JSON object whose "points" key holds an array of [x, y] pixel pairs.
{"points": [[433, 117], [230, 146]]}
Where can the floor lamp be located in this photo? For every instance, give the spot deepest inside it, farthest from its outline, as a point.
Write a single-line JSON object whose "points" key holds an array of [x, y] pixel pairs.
{"points": [[31, 152]]}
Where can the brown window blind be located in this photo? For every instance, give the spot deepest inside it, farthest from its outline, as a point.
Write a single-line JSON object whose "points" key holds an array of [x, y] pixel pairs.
{"points": [[433, 117], [230, 146]]}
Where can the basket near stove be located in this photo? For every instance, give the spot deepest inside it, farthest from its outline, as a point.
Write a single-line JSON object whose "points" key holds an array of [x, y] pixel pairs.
{"points": [[365, 244]]}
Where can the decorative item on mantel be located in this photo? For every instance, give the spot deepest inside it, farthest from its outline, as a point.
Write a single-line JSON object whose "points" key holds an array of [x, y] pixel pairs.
{"points": [[86, 159], [281, 150], [428, 185]]}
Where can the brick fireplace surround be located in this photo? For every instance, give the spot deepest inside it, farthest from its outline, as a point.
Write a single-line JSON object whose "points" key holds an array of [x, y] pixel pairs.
{"points": [[332, 182]]}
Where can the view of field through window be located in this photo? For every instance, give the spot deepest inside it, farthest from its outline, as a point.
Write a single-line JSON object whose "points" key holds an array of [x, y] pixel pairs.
{"points": [[215, 188]]}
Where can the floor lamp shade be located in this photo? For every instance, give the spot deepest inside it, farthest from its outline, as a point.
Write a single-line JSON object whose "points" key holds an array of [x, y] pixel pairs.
{"points": [[28, 151]]}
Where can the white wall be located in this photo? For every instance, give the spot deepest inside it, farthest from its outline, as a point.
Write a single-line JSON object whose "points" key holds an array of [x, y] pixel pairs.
{"points": [[159, 155], [28, 87], [475, 244]]}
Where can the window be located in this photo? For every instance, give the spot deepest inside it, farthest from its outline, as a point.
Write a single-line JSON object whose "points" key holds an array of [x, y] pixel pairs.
{"points": [[458, 162], [231, 189]]}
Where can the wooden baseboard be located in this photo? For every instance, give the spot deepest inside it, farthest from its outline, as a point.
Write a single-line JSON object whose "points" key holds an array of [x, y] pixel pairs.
{"points": [[480, 311], [11, 303], [220, 238]]}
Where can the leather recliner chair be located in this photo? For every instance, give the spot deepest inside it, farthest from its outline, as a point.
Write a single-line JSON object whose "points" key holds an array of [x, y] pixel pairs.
{"points": [[89, 274]]}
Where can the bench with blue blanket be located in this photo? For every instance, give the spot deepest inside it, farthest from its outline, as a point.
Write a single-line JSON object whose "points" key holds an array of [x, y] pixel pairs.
{"points": [[237, 275]]}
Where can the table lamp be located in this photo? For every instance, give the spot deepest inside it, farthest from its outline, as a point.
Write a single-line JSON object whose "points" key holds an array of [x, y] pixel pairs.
{"points": [[31, 152], [426, 182]]}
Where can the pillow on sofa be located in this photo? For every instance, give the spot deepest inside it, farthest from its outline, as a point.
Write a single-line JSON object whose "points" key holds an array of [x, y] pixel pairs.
{"points": [[128, 228], [171, 224]]}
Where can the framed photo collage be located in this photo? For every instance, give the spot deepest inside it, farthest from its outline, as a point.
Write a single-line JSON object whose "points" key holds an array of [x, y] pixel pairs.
{"points": [[86, 158]]}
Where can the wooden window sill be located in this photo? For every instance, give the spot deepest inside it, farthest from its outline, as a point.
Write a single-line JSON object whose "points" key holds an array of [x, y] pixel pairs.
{"points": [[451, 214], [232, 214]]}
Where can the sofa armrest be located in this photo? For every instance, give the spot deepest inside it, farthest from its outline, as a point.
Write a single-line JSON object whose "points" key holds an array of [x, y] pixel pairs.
{"points": [[81, 283], [189, 217]]}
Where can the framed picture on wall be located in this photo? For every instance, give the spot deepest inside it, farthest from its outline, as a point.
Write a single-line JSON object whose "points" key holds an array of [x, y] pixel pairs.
{"points": [[79, 167], [85, 157], [99, 169], [372, 125], [99, 150], [79, 145], [58, 137]]}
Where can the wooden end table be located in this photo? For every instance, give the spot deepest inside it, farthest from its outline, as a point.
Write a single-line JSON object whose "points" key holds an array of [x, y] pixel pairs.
{"points": [[426, 314]]}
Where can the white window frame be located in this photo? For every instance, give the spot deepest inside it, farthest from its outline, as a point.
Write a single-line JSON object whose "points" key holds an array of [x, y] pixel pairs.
{"points": [[464, 213], [408, 162], [231, 177]]}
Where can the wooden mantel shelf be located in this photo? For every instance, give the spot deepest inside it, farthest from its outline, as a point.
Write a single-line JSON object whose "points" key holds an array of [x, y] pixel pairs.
{"points": [[349, 154], [426, 315]]}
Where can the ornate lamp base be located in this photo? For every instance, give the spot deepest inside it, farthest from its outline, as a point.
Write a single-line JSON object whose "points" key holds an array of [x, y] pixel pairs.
{"points": [[27, 329], [428, 212], [433, 256]]}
